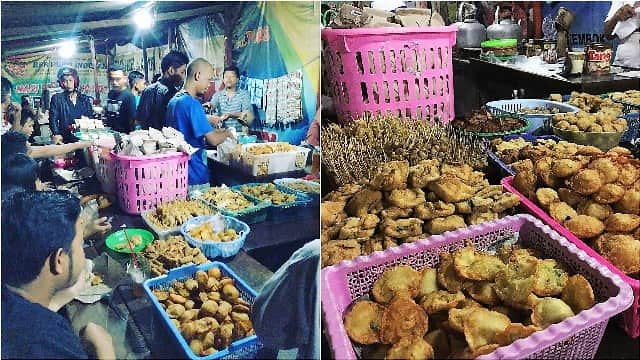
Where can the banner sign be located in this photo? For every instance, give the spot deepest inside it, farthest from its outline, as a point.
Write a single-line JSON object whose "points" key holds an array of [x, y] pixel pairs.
{"points": [[589, 18]]}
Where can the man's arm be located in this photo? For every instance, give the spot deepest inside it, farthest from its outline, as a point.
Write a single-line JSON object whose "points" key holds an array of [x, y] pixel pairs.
{"points": [[55, 150], [54, 115], [625, 13], [246, 114], [216, 137]]}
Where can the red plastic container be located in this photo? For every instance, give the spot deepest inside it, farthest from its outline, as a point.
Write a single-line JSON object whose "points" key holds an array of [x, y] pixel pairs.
{"points": [[631, 317]]}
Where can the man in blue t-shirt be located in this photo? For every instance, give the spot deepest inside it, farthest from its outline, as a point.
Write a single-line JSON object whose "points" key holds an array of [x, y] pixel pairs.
{"points": [[40, 278], [186, 114]]}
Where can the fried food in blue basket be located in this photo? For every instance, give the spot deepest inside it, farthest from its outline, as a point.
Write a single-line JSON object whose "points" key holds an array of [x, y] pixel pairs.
{"points": [[403, 318], [268, 191], [475, 265], [399, 281], [175, 213], [584, 226], [413, 348], [548, 311], [621, 250], [578, 293], [226, 198], [303, 186], [170, 253], [363, 321], [205, 232]]}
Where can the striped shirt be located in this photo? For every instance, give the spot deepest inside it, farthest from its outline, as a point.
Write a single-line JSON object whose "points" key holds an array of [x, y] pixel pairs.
{"points": [[222, 104]]}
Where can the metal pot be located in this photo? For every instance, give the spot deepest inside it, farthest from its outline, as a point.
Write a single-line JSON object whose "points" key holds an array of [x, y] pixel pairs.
{"points": [[470, 32], [504, 29]]}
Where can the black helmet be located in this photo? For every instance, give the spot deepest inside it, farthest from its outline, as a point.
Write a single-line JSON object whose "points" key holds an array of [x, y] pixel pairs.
{"points": [[66, 71]]}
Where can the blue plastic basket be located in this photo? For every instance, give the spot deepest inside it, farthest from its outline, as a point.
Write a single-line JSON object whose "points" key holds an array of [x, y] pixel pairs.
{"points": [[314, 196], [251, 215], [278, 212], [213, 249], [506, 170], [512, 107], [633, 126], [245, 348]]}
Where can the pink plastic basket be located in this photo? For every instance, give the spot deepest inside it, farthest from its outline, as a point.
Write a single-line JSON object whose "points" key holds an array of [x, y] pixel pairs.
{"points": [[406, 72], [577, 337], [105, 168], [145, 182], [631, 317]]}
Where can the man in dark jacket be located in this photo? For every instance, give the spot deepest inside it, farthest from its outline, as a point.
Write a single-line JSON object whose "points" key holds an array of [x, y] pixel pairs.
{"points": [[155, 98], [67, 106], [121, 105]]}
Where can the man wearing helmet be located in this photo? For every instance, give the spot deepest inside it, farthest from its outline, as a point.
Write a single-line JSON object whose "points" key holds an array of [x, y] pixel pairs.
{"points": [[67, 106]]}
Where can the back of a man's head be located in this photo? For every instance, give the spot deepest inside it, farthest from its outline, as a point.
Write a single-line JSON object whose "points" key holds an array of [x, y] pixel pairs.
{"points": [[173, 59], [19, 170], [13, 142], [196, 65], [34, 226]]}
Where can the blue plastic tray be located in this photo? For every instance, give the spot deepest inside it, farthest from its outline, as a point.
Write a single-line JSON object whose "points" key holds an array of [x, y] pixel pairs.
{"points": [[633, 127], [251, 215], [511, 107], [214, 249], [506, 170], [278, 212], [240, 349]]}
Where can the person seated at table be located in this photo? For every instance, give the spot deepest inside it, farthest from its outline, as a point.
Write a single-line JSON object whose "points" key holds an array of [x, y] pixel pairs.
{"points": [[281, 323], [42, 255], [232, 105], [186, 114], [18, 142], [7, 89], [67, 106]]}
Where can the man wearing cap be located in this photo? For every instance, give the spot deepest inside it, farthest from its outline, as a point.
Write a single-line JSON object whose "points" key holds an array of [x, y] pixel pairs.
{"points": [[67, 106]]}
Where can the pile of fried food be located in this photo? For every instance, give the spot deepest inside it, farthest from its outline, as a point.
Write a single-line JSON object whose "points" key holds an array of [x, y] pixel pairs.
{"points": [[595, 195], [227, 199], [513, 151], [405, 203], [602, 121], [628, 97], [207, 310], [469, 305], [482, 121], [134, 240], [270, 148], [204, 232], [175, 213], [173, 252], [538, 110], [354, 151], [303, 186], [268, 191], [591, 103]]}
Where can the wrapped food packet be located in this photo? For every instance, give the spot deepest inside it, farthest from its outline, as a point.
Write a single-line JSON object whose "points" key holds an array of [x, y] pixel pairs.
{"points": [[217, 223]]}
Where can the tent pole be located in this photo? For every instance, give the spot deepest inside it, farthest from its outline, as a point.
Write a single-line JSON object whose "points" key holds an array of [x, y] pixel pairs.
{"points": [[94, 63], [144, 58]]}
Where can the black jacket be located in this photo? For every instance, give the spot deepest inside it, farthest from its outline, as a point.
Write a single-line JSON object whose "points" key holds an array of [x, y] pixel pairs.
{"points": [[62, 112], [121, 110], [154, 99]]}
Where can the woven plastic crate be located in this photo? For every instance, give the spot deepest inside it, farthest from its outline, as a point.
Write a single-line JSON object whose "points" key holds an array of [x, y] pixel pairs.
{"points": [[315, 196], [279, 212], [513, 107], [633, 126], [105, 168], [214, 249], [146, 181], [245, 348], [631, 317], [406, 72], [506, 170], [251, 215], [577, 337]]}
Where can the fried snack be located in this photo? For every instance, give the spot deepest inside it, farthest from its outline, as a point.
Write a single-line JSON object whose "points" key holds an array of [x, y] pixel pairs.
{"points": [[396, 213], [204, 232], [621, 250], [269, 192], [331, 213], [362, 322], [515, 283], [542, 167], [548, 311], [628, 173], [550, 278], [439, 342], [402, 318], [391, 176], [457, 316], [226, 198], [570, 197], [584, 226], [513, 332], [563, 168], [622, 223], [609, 172], [432, 210], [428, 282], [175, 213], [474, 265], [343, 193], [578, 293], [586, 182], [439, 225], [546, 196], [424, 172], [406, 198], [609, 193], [402, 228], [165, 255], [525, 182], [594, 209], [481, 327], [363, 202], [630, 203], [335, 251], [440, 300], [394, 282], [484, 292], [448, 276], [561, 211], [451, 189], [412, 348]]}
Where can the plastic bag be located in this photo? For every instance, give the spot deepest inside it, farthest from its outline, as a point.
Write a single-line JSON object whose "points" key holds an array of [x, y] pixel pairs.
{"points": [[217, 223]]}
